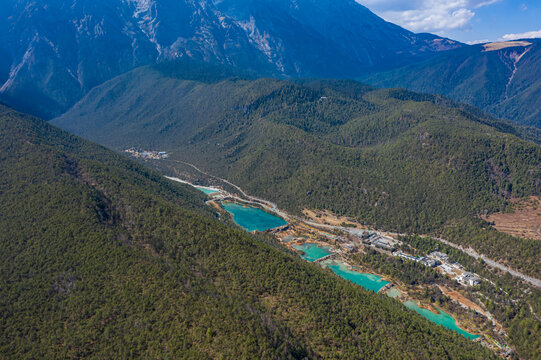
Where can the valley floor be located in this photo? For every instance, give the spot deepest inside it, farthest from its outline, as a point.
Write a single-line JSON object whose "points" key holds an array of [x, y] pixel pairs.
{"points": [[479, 303], [343, 238]]}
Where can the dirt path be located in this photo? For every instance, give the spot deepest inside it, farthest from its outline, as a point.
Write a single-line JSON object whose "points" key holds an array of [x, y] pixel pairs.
{"points": [[327, 218], [455, 295]]}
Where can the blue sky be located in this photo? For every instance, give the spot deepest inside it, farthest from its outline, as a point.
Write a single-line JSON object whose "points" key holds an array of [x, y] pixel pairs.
{"points": [[464, 20]]}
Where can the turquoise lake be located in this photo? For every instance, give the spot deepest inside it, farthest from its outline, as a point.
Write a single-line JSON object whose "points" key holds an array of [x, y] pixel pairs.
{"points": [[207, 190], [442, 318], [252, 218], [312, 252], [393, 293], [367, 281]]}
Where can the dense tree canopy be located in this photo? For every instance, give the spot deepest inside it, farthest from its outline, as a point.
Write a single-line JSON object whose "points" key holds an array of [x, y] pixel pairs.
{"points": [[393, 159], [103, 258]]}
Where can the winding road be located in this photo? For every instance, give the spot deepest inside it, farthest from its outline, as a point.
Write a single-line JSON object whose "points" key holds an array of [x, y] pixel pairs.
{"points": [[274, 208]]}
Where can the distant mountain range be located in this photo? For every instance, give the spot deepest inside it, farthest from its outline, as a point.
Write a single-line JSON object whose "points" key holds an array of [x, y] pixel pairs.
{"points": [[53, 52], [504, 79]]}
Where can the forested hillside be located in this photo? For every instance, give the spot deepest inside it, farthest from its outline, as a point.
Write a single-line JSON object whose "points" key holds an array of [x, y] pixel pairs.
{"points": [[501, 78], [102, 258], [391, 158]]}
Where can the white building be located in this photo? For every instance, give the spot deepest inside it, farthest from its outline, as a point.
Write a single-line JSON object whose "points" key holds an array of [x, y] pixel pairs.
{"points": [[468, 279], [439, 256]]}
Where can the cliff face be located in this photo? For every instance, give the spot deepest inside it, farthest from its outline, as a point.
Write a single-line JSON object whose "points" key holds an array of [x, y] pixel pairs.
{"points": [[53, 52]]}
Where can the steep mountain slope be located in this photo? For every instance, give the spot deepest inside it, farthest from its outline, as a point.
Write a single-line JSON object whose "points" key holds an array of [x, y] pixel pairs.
{"points": [[503, 79], [103, 258], [327, 38], [61, 50], [391, 158], [53, 52]]}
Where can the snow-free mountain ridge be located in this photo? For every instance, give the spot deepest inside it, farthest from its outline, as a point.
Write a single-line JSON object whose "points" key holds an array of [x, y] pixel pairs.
{"points": [[53, 52]]}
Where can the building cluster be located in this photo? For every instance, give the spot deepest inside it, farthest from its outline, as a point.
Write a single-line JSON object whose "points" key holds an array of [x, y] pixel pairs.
{"points": [[405, 256], [369, 238], [442, 257], [455, 270], [441, 261], [429, 262], [388, 244], [147, 154], [380, 241]]}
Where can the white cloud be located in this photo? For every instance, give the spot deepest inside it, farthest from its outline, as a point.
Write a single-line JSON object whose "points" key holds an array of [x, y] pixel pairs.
{"points": [[526, 35], [428, 15], [478, 4], [475, 42]]}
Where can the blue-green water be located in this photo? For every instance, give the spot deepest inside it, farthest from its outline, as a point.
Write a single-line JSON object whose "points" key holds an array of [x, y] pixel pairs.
{"points": [[373, 282], [207, 191], [312, 252], [368, 281], [393, 293], [442, 318], [251, 218]]}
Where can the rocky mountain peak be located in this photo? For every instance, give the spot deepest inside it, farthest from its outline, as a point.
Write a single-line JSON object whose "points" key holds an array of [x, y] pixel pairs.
{"points": [[56, 51]]}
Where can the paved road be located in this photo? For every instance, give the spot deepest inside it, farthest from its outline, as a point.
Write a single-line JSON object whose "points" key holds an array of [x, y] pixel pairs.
{"points": [[273, 207], [476, 255]]}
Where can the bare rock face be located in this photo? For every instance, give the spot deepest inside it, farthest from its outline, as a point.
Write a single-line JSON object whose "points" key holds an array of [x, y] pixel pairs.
{"points": [[52, 52]]}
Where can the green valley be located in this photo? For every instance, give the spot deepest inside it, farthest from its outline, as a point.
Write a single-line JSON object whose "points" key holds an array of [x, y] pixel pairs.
{"points": [[119, 262], [391, 159], [270, 179]]}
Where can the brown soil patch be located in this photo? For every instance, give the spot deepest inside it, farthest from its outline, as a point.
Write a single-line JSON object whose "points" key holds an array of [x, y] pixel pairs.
{"points": [[455, 295], [524, 222], [327, 218], [505, 44], [215, 205]]}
